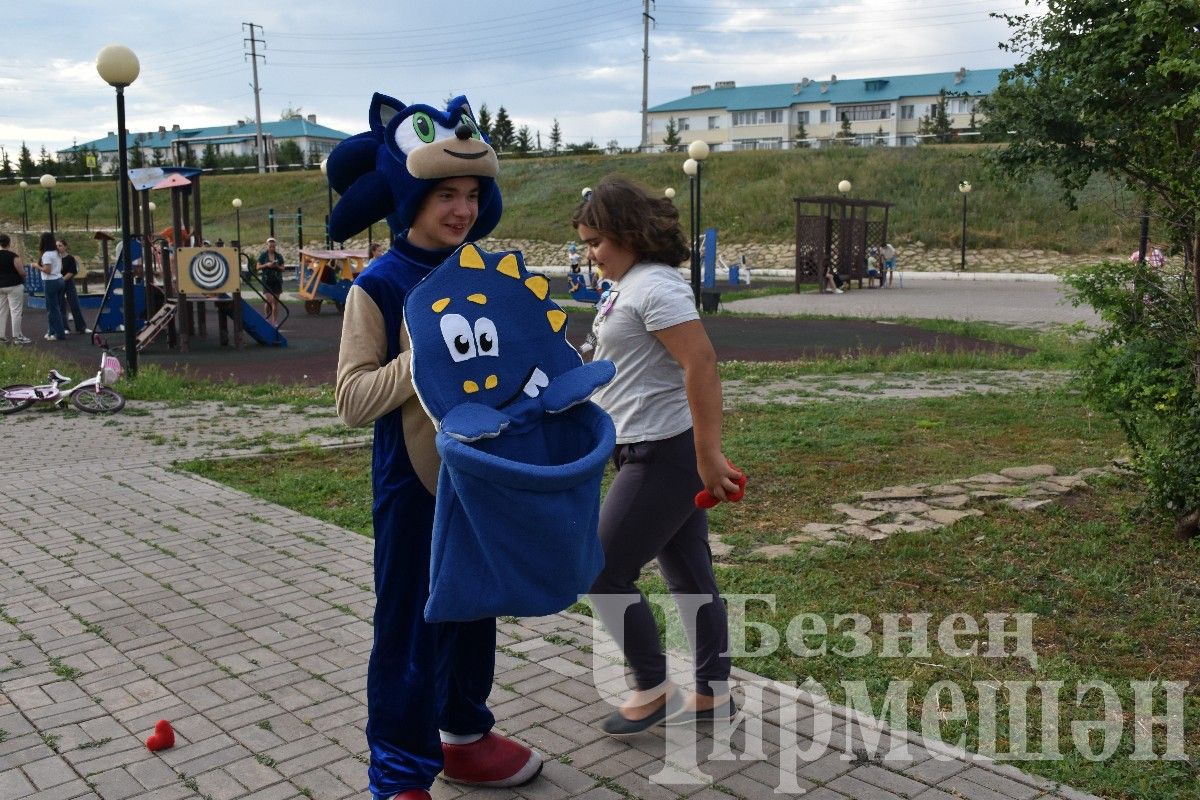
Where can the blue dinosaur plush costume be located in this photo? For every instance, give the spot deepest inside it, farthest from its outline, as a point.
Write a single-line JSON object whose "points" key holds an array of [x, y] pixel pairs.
{"points": [[523, 450]]}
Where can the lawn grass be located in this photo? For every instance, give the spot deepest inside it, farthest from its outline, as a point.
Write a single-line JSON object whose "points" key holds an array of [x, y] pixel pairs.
{"points": [[747, 197], [1116, 600]]}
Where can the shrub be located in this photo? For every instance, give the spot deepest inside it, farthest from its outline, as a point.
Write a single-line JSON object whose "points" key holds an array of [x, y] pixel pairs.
{"points": [[1140, 368]]}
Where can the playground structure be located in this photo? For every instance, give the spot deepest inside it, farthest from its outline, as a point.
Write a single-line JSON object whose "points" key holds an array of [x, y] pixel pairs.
{"points": [[837, 233], [327, 275], [589, 288], [188, 279]]}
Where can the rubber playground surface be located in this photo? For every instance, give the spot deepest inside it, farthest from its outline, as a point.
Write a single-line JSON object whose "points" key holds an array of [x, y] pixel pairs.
{"points": [[311, 355]]}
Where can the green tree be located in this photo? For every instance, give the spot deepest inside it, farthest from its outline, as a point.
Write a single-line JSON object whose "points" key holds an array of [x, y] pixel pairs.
{"points": [[46, 163], [844, 135], [524, 141], [671, 140], [485, 120], [802, 135], [288, 153], [587, 147], [289, 112], [1114, 88], [555, 138], [502, 131], [25, 166], [6, 168], [209, 160], [137, 156], [935, 126]]}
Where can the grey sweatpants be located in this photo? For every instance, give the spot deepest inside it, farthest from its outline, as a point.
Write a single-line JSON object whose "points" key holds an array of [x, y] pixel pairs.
{"points": [[650, 513]]}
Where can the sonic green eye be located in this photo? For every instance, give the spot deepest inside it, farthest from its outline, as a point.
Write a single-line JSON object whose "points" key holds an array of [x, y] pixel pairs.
{"points": [[423, 126], [470, 123]]}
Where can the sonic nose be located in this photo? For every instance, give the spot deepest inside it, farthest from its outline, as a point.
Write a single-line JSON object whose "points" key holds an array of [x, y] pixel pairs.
{"points": [[463, 131]]}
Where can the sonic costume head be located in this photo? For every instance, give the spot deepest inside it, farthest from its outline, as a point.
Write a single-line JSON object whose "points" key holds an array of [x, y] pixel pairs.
{"points": [[386, 172]]}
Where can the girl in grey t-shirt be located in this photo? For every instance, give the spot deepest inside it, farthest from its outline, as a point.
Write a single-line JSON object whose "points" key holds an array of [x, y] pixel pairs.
{"points": [[666, 404]]}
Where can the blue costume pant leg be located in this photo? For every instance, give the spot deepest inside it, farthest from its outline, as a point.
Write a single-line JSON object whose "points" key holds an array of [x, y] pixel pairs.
{"points": [[421, 677]]}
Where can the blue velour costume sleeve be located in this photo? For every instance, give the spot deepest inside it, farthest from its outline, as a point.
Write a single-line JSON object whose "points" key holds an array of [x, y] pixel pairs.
{"points": [[523, 448]]}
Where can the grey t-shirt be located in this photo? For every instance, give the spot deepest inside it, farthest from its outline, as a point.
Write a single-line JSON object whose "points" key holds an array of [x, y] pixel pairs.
{"points": [[646, 399]]}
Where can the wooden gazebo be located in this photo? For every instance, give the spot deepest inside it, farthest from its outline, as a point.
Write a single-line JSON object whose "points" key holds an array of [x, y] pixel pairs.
{"points": [[836, 232]]}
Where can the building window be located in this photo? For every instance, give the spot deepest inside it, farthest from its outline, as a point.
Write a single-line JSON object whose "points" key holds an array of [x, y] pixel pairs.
{"points": [[864, 112], [906, 141], [960, 105], [768, 116], [802, 117], [714, 123], [824, 115], [906, 112], [682, 124]]}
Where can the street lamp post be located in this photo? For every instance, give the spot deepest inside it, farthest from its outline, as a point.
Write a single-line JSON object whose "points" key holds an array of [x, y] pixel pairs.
{"points": [[965, 188], [237, 212], [329, 197], [119, 67], [697, 152], [24, 206], [48, 181], [690, 168]]}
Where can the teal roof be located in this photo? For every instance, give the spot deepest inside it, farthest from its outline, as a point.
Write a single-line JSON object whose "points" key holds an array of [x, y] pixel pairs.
{"points": [[844, 91], [280, 129]]}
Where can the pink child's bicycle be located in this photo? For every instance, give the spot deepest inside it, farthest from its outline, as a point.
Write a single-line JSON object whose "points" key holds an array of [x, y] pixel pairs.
{"points": [[94, 396]]}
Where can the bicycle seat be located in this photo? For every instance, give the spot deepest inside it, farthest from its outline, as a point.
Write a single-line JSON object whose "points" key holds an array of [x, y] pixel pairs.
{"points": [[57, 377]]}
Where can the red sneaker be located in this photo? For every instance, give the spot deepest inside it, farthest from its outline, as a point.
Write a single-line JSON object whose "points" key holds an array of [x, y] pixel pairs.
{"points": [[490, 761], [412, 794]]}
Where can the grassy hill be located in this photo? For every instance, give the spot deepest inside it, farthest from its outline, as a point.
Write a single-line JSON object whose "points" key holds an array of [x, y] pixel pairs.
{"points": [[747, 196]]}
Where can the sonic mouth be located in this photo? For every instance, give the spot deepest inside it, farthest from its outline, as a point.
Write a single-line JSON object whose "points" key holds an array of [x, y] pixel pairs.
{"points": [[469, 156]]}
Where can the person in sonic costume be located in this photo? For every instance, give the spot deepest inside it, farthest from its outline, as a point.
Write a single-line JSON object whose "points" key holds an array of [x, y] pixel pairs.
{"points": [[432, 175]]}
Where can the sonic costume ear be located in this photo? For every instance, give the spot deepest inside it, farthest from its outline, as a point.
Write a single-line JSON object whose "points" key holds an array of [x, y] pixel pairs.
{"points": [[386, 172]]}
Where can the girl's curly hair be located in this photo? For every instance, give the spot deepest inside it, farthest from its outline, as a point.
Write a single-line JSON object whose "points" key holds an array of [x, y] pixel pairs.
{"points": [[627, 213]]}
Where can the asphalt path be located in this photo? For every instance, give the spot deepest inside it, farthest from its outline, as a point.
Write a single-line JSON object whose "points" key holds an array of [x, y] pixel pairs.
{"points": [[311, 355]]}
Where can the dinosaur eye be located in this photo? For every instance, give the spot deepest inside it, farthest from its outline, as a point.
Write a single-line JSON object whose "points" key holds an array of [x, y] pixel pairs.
{"points": [[424, 127], [486, 338], [470, 123], [456, 333]]}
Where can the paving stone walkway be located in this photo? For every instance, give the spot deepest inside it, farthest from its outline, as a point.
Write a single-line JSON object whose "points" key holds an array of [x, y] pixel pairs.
{"points": [[925, 508], [141, 593]]}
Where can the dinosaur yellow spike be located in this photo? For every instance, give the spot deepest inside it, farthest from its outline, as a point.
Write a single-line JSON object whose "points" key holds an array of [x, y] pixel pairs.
{"points": [[479, 298], [539, 286], [557, 319], [469, 258], [508, 266], [440, 305]]}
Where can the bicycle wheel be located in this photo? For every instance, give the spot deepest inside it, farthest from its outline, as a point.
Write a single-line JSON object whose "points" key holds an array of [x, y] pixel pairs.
{"points": [[8, 406], [100, 400]]}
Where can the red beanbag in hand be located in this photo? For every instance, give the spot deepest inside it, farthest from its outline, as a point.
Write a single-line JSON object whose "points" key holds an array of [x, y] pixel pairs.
{"points": [[705, 500]]}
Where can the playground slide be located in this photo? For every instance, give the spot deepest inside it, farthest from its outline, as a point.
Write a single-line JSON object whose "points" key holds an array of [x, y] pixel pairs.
{"points": [[259, 329]]}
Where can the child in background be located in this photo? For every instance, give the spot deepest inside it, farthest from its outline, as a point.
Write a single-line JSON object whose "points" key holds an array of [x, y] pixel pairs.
{"points": [[666, 404]]}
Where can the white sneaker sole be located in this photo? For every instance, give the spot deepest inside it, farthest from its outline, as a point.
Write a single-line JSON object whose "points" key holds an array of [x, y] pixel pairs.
{"points": [[532, 768]]}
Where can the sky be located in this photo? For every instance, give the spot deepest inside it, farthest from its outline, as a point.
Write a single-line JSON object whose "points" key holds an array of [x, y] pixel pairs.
{"points": [[575, 61]]}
